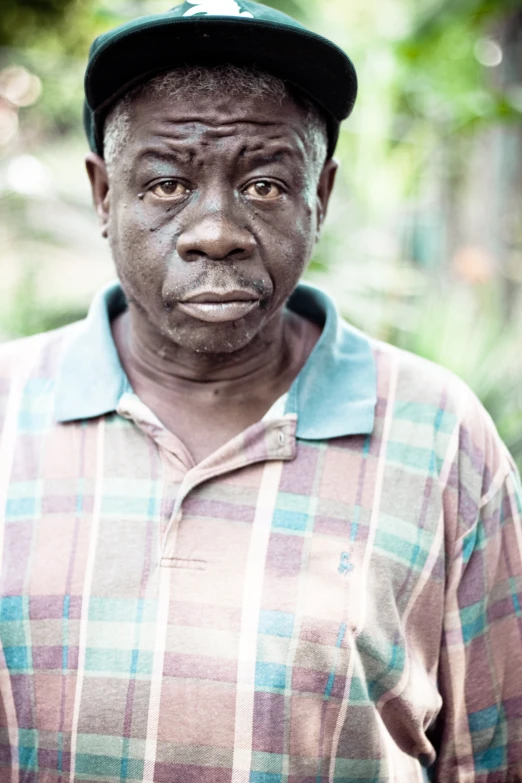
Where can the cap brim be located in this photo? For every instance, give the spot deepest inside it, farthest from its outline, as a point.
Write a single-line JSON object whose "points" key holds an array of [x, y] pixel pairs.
{"points": [[310, 62]]}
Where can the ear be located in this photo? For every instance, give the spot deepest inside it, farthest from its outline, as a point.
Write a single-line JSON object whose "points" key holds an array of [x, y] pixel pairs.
{"points": [[97, 171], [324, 190]]}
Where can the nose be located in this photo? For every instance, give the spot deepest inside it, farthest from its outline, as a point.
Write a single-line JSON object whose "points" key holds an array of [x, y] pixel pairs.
{"points": [[215, 235]]}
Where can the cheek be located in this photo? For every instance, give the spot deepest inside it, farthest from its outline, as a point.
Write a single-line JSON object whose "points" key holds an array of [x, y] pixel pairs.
{"points": [[289, 253], [140, 248], [294, 241], [291, 228]]}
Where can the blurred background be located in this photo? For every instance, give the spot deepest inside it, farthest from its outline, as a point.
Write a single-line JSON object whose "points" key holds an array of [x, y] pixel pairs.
{"points": [[423, 245]]}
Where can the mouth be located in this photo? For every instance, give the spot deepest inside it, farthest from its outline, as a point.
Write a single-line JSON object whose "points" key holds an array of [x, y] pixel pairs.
{"points": [[219, 306]]}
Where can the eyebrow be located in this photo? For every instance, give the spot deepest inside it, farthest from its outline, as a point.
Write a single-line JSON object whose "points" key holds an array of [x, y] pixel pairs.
{"points": [[256, 158], [166, 157]]}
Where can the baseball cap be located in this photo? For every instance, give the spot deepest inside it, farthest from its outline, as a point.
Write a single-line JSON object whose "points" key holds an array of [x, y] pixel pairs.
{"points": [[213, 32]]}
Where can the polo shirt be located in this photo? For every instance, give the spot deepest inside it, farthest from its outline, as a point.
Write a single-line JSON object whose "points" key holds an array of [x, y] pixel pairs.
{"points": [[333, 595]]}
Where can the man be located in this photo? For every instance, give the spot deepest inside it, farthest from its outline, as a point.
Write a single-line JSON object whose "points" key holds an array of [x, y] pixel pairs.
{"points": [[241, 541]]}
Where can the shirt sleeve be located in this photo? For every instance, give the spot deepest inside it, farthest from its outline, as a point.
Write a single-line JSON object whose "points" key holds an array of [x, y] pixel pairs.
{"points": [[479, 732]]}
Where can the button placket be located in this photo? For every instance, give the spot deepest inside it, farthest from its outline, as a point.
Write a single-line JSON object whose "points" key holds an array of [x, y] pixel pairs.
{"points": [[169, 548], [281, 446]]}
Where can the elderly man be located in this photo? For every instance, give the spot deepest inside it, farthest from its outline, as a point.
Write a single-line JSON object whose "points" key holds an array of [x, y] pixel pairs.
{"points": [[241, 541]]}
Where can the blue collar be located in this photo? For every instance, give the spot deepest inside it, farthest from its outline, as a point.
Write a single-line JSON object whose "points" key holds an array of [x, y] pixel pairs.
{"points": [[334, 394]]}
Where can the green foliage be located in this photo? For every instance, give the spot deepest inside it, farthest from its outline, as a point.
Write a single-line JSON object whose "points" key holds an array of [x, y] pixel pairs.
{"points": [[21, 19], [36, 22], [434, 22]]}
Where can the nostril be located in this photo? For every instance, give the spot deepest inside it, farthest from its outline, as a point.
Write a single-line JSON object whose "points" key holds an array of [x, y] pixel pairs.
{"points": [[214, 253], [239, 251], [195, 254]]}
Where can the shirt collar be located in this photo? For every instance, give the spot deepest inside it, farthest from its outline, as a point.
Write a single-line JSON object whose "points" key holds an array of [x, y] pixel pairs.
{"points": [[334, 395]]}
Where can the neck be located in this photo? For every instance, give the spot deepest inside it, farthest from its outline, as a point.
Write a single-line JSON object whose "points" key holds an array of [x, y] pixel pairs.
{"points": [[149, 358]]}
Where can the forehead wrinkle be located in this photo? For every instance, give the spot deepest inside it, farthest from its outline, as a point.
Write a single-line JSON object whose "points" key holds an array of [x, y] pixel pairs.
{"points": [[179, 128], [231, 114], [204, 119], [226, 125], [189, 150]]}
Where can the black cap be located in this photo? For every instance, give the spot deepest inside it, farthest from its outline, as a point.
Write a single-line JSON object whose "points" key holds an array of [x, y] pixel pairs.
{"points": [[213, 32]]}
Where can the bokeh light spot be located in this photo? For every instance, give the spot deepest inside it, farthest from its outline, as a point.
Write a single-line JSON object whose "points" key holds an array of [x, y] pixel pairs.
{"points": [[488, 52], [28, 176], [19, 87]]}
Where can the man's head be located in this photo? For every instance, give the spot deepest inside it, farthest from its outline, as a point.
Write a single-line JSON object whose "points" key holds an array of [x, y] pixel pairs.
{"points": [[215, 183]]}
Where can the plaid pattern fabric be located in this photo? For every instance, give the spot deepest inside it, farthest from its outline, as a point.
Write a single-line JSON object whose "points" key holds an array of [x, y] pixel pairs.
{"points": [[290, 610]]}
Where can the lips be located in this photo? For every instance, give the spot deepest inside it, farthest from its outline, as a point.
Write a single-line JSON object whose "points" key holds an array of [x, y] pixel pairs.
{"points": [[219, 306]]}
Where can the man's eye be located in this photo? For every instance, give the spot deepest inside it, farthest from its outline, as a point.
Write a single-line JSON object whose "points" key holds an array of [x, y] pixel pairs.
{"points": [[268, 191], [170, 188]]}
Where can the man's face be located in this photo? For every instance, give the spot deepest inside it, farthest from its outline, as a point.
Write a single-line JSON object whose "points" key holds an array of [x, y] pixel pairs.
{"points": [[212, 214]]}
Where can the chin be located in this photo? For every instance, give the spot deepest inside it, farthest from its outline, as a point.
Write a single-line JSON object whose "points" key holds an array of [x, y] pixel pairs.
{"points": [[213, 341]]}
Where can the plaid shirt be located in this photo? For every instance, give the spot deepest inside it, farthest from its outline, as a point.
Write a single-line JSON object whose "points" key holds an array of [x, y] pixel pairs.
{"points": [[334, 595]]}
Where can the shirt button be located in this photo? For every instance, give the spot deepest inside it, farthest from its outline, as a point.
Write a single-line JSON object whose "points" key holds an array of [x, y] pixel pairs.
{"points": [[282, 438]]}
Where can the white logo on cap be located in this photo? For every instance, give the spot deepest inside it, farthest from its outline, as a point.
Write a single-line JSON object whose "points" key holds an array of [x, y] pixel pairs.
{"points": [[216, 8]]}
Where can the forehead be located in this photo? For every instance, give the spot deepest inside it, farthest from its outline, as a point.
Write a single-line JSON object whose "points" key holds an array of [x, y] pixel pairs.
{"points": [[194, 118]]}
